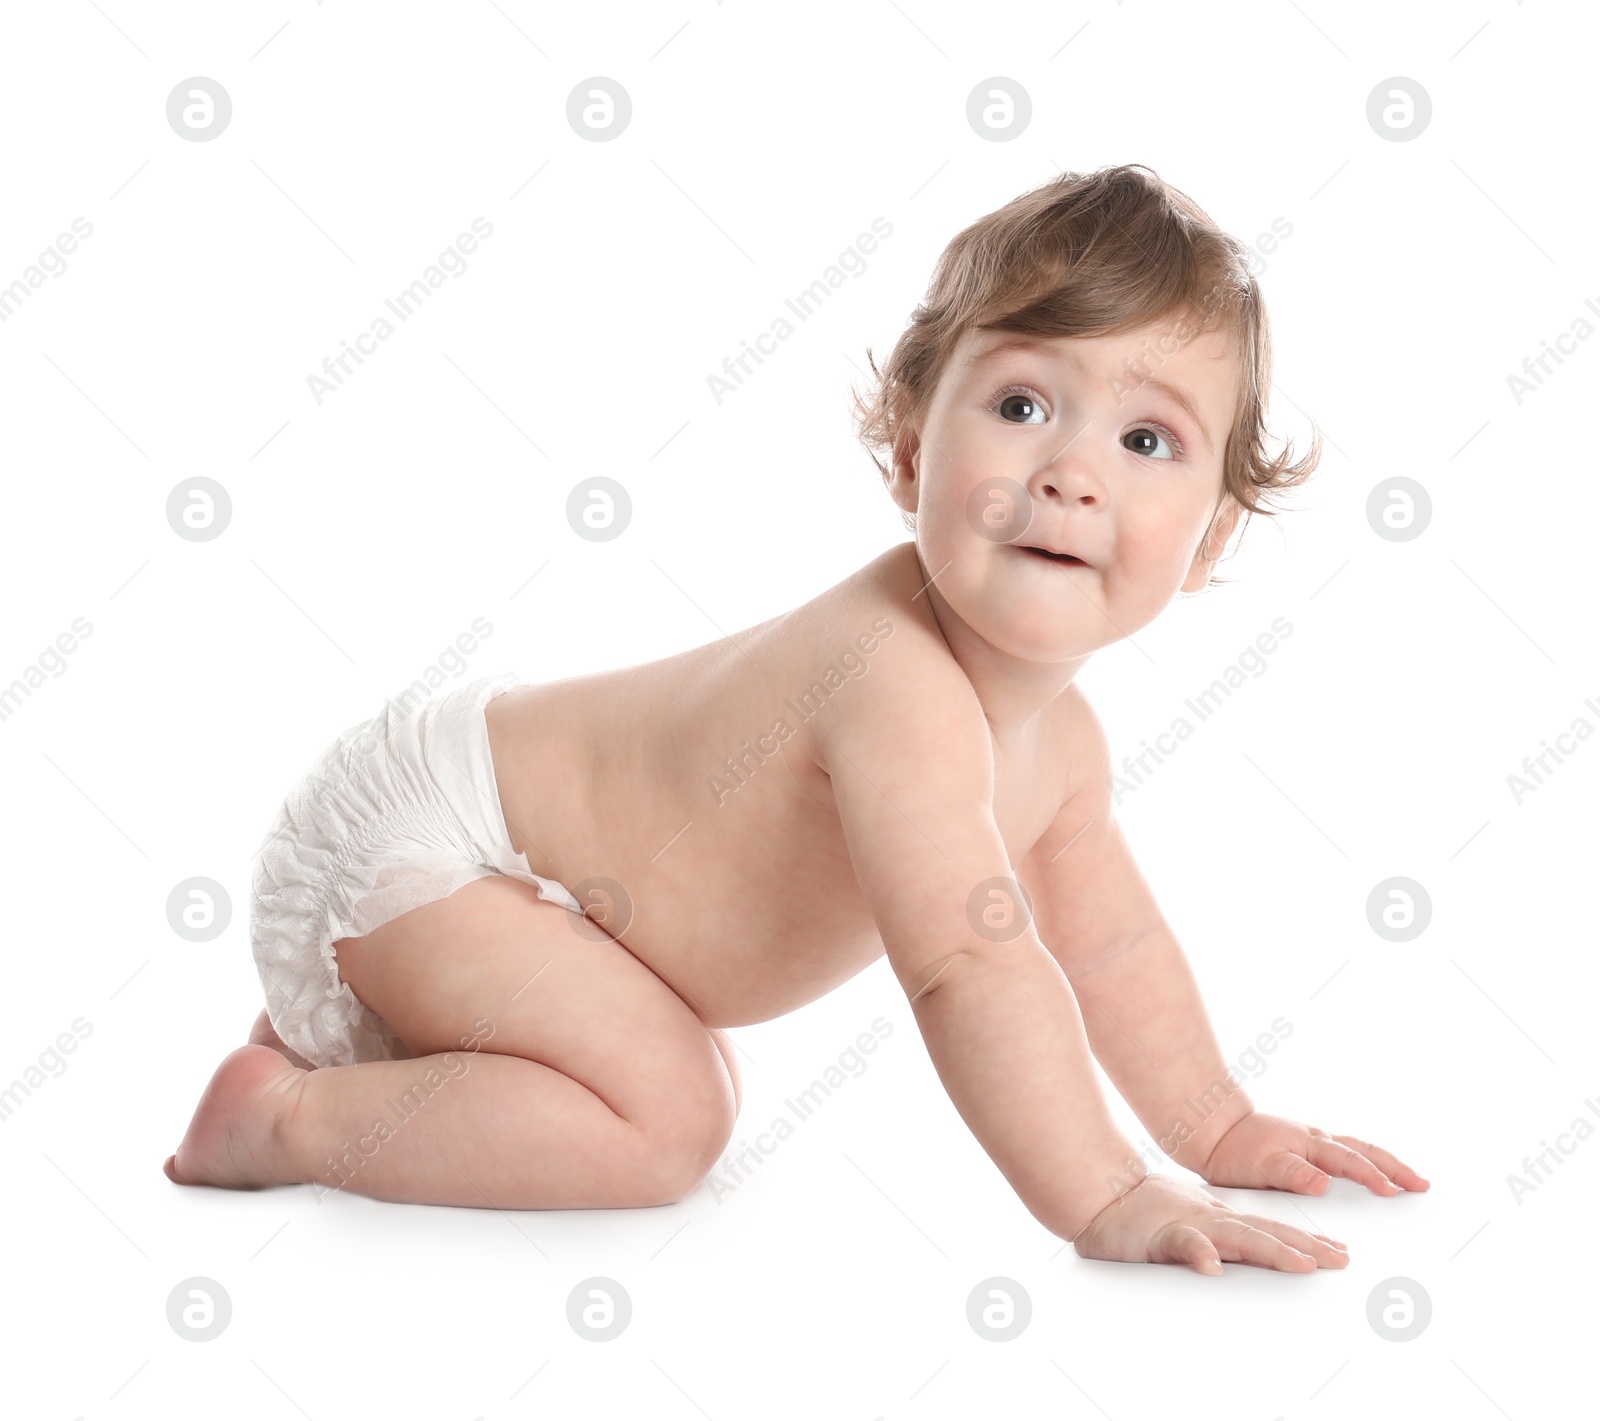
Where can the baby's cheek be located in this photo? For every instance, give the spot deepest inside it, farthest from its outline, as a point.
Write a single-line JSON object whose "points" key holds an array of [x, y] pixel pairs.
{"points": [[1142, 557], [1164, 551], [1144, 576]]}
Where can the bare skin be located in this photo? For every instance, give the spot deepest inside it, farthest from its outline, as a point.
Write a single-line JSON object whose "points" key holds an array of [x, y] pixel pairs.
{"points": [[770, 847]]}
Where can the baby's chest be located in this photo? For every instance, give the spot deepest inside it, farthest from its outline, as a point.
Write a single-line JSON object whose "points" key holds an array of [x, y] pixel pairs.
{"points": [[1030, 786], [1022, 812]]}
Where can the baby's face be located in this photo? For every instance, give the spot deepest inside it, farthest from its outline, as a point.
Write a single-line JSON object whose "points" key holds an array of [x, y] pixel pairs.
{"points": [[1058, 443]]}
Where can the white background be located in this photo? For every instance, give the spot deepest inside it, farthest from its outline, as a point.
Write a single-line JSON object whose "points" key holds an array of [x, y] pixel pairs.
{"points": [[369, 531]]}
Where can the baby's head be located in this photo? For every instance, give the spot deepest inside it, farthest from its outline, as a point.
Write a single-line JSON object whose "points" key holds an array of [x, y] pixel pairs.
{"points": [[1086, 377]]}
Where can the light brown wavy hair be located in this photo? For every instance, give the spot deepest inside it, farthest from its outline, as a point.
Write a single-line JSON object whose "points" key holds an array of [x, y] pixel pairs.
{"points": [[1091, 254]]}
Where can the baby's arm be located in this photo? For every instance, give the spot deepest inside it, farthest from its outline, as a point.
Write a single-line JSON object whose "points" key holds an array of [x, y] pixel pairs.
{"points": [[910, 758], [1145, 1019], [912, 786]]}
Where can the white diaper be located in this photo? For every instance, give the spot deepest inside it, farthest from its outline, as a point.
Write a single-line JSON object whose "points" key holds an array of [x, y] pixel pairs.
{"points": [[399, 811]]}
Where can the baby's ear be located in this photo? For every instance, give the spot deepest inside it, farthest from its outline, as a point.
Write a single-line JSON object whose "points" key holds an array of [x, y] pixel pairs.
{"points": [[905, 469], [1223, 526], [1212, 546]]}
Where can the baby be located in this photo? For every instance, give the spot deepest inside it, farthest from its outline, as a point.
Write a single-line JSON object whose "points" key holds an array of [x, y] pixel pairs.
{"points": [[502, 932]]}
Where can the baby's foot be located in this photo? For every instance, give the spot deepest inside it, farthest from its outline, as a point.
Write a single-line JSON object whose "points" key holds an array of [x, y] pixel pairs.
{"points": [[232, 1141], [262, 1034]]}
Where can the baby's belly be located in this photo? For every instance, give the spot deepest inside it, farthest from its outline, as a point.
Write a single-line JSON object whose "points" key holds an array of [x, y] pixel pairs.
{"points": [[743, 942], [743, 927]]}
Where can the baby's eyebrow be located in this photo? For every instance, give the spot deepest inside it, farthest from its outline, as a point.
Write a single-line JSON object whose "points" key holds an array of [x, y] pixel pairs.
{"points": [[1182, 400], [1007, 347]]}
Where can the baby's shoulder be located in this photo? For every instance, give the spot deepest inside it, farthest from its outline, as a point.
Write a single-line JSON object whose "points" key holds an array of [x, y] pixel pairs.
{"points": [[884, 611], [871, 650]]}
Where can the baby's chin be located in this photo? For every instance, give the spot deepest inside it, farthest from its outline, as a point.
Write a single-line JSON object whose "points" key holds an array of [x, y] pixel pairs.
{"points": [[1045, 614], [1050, 636]]}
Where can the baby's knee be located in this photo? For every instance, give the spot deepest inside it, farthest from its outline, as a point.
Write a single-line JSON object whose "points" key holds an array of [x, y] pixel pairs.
{"points": [[679, 1149], [726, 1048]]}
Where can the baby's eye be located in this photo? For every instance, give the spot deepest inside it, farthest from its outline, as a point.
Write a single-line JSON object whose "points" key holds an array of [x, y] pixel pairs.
{"points": [[1018, 407], [1145, 435]]}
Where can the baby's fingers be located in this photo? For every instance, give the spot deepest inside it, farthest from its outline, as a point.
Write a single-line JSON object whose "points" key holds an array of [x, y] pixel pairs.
{"points": [[1238, 1242], [1327, 1253], [1340, 1159], [1402, 1174], [1179, 1243], [1291, 1172]]}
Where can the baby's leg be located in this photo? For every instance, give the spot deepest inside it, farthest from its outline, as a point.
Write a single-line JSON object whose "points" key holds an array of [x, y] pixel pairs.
{"points": [[593, 1085]]}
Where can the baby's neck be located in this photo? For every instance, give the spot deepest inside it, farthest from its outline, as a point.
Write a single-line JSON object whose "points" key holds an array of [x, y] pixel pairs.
{"points": [[1012, 692]]}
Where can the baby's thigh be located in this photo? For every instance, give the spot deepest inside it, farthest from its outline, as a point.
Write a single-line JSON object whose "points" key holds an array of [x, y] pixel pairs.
{"points": [[529, 978]]}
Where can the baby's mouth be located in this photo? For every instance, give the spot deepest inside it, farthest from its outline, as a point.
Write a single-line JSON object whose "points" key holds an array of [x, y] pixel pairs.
{"points": [[1064, 558]]}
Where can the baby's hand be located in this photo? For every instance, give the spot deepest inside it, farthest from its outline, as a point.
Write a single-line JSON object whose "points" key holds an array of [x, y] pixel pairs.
{"points": [[1264, 1152], [1163, 1219]]}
